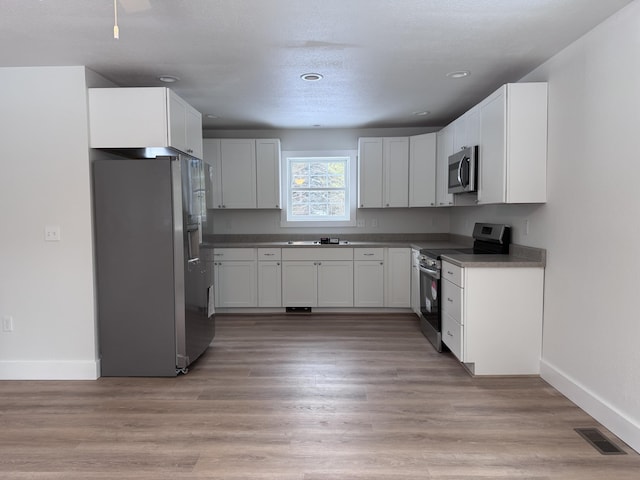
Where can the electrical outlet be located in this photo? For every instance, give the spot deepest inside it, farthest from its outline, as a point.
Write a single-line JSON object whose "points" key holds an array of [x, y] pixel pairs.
{"points": [[374, 222], [360, 223], [7, 323], [526, 227], [52, 233]]}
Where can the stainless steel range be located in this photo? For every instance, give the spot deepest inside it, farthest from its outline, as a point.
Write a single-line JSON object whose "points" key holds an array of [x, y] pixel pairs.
{"points": [[489, 238]]}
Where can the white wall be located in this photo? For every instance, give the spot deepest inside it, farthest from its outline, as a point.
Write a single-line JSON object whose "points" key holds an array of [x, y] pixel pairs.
{"points": [[590, 225], [389, 220], [47, 287]]}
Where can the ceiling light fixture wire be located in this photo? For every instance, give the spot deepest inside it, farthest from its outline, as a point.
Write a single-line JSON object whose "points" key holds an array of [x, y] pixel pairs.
{"points": [[116, 30]]}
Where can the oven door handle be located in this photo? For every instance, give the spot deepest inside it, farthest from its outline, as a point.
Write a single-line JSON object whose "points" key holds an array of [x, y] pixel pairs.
{"points": [[432, 273]]}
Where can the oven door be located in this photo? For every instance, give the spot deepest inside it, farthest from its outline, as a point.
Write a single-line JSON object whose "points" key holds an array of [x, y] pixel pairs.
{"points": [[430, 322]]}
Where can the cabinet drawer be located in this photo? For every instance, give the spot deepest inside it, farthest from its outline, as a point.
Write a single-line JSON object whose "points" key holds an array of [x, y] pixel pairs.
{"points": [[452, 300], [453, 273], [220, 254], [269, 254], [452, 333], [368, 253]]}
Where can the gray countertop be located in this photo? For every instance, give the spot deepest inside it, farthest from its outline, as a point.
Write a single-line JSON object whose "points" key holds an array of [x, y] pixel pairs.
{"points": [[492, 261], [520, 256]]}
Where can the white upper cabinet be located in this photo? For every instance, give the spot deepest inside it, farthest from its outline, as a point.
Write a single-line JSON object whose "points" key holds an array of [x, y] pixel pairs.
{"points": [[211, 155], [466, 130], [513, 148], [370, 173], [238, 172], [141, 117], [444, 149], [268, 173], [422, 170], [246, 172], [395, 160], [383, 172]]}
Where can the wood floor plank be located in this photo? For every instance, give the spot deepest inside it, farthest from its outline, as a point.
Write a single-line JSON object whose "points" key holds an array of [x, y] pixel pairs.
{"points": [[303, 397]]}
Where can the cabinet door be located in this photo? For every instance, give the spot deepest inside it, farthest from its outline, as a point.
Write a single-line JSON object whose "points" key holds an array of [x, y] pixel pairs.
{"points": [[268, 173], [269, 284], [370, 172], [422, 170], [492, 152], [128, 117], [211, 155], [177, 122], [444, 148], [368, 281], [452, 336], [335, 284], [398, 278], [236, 284], [238, 161], [194, 132], [299, 283], [395, 159]]}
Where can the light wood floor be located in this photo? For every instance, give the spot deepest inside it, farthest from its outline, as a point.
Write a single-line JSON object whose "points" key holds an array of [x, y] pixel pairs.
{"points": [[303, 398]]}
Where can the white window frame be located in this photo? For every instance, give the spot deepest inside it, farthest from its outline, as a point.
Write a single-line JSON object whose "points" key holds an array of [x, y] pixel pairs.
{"points": [[351, 188]]}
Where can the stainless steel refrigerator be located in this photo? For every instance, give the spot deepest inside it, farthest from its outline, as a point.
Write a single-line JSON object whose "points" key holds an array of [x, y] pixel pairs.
{"points": [[155, 295]]}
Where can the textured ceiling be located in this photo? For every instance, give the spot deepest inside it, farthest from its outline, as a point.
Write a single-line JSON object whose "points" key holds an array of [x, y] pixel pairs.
{"points": [[241, 60]]}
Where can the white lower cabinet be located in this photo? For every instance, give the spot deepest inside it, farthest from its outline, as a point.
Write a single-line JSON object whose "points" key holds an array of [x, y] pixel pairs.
{"points": [[235, 277], [368, 277], [299, 283], [312, 277], [335, 283], [397, 291], [492, 318], [269, 277], [317, 277]]}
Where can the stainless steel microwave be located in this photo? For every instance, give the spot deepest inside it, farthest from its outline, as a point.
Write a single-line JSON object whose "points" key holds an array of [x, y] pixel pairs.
{"points": [[462, 174]]}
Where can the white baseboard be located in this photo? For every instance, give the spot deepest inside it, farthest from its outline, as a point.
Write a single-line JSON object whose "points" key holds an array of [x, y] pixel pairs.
{"points": [[49, 370], [617, 422]]}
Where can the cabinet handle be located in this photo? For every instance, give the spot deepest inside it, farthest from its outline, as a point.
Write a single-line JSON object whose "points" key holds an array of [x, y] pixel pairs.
{"points": [[381, 263], [278, 263], [362, 204], [277, 206], [269, 254], [387, 204], [432, 204], [368, 254], [449, 333], [449, 273], [449, 300]]}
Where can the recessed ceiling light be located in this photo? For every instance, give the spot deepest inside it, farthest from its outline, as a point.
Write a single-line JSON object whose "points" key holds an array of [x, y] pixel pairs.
{"points": [[459, 74], [168, 78], [211, 115], [422, 114], [317, 125], [311, 77]]}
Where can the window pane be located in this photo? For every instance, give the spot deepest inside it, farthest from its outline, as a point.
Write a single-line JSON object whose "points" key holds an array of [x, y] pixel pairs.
{"points": [[318, 181], [336, 210], [299, 182], [300, 209], [336, 197]]}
